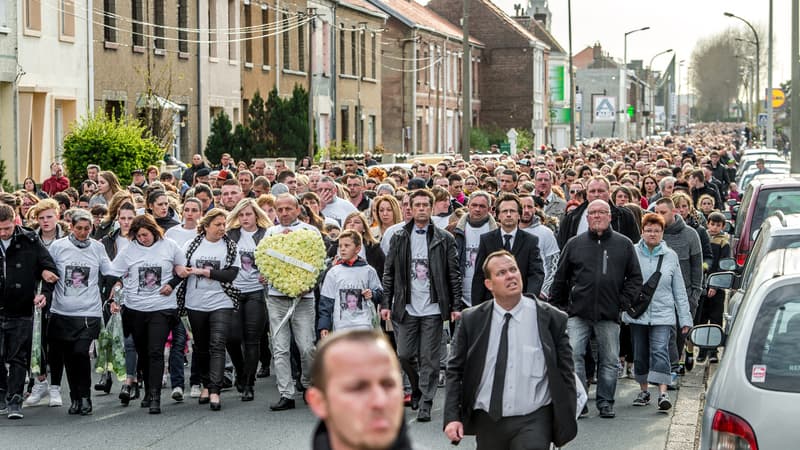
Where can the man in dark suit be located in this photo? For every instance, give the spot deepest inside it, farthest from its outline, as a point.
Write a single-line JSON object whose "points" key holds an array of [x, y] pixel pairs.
{"points": [[510, 377], [524, 246]]}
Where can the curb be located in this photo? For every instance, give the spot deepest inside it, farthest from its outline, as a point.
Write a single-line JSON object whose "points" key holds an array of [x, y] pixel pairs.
{"points": [[684, 428]]}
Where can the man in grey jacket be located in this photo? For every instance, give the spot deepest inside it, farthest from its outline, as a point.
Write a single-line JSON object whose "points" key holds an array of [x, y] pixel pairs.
{"points": [[685, 241]]}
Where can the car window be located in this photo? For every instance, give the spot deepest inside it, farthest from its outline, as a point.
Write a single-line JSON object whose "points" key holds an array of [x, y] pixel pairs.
{"points": [[753, 258], [786, 200], [772, 361]]}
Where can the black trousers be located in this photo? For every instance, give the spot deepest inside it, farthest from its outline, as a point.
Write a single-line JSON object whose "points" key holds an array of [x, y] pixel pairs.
{"points": [[150, 331], [16, 334], [710, 309], [532, 431], [210, 334], [247, 327], [74, 357]]}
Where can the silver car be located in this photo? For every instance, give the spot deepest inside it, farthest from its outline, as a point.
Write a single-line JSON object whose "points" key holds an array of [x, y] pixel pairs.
{"points": [[753, 400]]}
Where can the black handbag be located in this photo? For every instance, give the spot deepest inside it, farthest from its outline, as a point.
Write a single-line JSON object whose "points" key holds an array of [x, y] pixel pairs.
{"points": [[642, 301]]}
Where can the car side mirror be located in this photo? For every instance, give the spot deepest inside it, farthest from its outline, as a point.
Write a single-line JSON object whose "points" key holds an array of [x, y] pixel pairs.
{"points": [[727, 264], [721, 280], [707, 336]]}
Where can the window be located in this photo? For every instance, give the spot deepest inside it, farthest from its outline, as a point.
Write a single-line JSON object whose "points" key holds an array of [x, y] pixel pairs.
{"points": [[371, 133], [342, 46], [67, 21], [232, 36], [301, 49], [374, 59], [158, 27], [363, 54], [286, 46], [137, 14], [248, 43], [212, 28], [265, 38], [115, 109], [109, 21], [183, 24], [773, 362], [345, 124], [33, 15], [353, 51], [417, 65], [3, 13]]}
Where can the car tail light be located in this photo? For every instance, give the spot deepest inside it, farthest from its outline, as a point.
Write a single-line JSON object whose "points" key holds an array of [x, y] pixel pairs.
{"points": [[731, 432], [741, 258]]}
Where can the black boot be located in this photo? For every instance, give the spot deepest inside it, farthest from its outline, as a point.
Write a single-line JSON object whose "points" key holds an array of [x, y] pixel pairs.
{"points": [[86, 406], [146, 400], [125, 394], [104, 383], [74, 407], [248, 395], [155, 401]]}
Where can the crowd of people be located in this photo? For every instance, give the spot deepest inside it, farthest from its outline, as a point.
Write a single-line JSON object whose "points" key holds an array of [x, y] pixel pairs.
{"points": [[577, 231]]}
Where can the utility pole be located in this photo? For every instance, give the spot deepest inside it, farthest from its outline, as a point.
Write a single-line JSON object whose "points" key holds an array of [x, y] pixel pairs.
{"points": [[312, 12], [466, 86], [795, 137], [770, 124], [571, 80]]}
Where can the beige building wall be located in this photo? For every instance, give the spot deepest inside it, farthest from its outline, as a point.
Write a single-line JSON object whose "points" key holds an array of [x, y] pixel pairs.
{"points": [[53, 92], [169, 63]]}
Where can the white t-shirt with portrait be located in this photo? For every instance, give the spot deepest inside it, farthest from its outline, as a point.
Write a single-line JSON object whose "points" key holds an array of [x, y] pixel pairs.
{"points": [[204, 294], [76, 292], [247, 279], [181, 235], [420, 304], [472, 240], [145, 270]]}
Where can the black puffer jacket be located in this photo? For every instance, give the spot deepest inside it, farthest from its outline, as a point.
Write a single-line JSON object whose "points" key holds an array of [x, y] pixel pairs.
{"points": [[25, 259], [622, 221], [446, 283], [598, 276]]}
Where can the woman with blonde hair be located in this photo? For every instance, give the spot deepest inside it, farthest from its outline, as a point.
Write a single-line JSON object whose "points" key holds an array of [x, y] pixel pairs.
{"points": [[247, 224], [385, 213], [107, 185]]}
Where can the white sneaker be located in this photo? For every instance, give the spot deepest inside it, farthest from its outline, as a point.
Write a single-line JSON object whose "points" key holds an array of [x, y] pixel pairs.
{"points": [[38, 392], [177, 394], [195, 392], [55, 396]]}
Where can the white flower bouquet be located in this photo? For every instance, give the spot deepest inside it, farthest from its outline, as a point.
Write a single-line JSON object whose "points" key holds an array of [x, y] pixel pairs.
{"points": [[111, 349], [292, 261], [36, 345]]}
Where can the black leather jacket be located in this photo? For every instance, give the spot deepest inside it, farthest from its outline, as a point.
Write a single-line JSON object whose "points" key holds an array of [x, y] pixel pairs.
{"points": [[445, 275]]}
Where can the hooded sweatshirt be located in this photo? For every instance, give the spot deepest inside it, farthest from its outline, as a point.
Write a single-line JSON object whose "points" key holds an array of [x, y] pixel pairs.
{"points": [[685, 241]]}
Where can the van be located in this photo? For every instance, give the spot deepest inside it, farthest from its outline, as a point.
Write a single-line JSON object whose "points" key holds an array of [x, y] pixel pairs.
{"points": [[765, 195]]}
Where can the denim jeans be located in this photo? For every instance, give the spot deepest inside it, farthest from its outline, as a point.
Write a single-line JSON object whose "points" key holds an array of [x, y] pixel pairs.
{"points": [[651, 353], [247, 327], [302, 327], [16, 334], [607, 334], [210, 333], [176, 355]]}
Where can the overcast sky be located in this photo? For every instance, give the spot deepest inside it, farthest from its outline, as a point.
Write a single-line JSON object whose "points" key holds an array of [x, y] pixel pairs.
{"points": [[676, 24]]}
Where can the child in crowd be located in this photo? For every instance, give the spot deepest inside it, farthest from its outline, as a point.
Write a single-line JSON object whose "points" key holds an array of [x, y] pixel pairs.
{"points": [[712, 303]]}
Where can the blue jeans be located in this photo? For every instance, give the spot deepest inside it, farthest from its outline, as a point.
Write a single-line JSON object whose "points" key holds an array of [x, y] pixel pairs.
{"points": [[607, 335], [176, 356], [651, 353]]}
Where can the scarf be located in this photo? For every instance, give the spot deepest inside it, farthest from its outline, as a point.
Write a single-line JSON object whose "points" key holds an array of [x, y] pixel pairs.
{"points": [[477, 223], [230, 257], [78, 243]]}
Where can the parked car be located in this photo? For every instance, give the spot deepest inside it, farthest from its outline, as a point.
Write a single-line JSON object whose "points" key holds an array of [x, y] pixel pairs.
{"points": [[763, 196], [776, 233], [752, 172], [753, 399], [748, 161]]}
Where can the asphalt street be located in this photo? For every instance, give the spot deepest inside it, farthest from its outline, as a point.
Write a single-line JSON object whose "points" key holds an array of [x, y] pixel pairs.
{"points": [[252, 425]]}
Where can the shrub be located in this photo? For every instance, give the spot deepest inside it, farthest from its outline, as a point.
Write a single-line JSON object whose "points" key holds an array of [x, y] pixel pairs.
{"points": [[119, 145]]}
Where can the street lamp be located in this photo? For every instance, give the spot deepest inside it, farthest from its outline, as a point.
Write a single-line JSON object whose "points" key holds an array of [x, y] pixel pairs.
{"points": [[624, 91], [758, 53], [652, 87]]}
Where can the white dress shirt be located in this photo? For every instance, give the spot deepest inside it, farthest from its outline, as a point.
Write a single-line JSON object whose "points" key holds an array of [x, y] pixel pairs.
{"points": [[526, 388], [513, 234]]}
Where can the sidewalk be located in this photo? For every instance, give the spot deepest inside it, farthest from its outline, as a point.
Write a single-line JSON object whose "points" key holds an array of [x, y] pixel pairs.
{"points": [[684, 429]]}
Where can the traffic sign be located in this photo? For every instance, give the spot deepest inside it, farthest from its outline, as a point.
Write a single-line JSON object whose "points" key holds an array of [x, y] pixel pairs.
{"points": [[605, 109], [778, 98], [762, 120]]}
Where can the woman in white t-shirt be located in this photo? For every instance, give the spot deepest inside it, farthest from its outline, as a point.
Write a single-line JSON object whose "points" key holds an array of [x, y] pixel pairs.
{"points": [[192, 212], [76, 311], [149, 266], [247, 224], [210, 299]]}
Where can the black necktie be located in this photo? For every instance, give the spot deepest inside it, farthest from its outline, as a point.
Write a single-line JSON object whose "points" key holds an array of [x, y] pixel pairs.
{"points": [[498, 384], [422, 231], [507, 242]]}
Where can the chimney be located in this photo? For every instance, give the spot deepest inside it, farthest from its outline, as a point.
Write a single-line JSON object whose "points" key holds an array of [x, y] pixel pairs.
{"points": [[542, 19], [597, 51]]}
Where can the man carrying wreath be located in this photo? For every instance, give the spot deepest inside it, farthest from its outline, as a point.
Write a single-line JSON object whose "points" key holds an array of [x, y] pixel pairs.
{"points": [[284, 320]]}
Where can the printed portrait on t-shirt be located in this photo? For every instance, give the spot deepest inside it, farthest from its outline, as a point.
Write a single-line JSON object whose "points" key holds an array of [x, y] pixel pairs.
{"points": [[419, 270], [76, 283], [472, 255], [351, 303], [211, 264], [149, 280], [248, 261]]}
